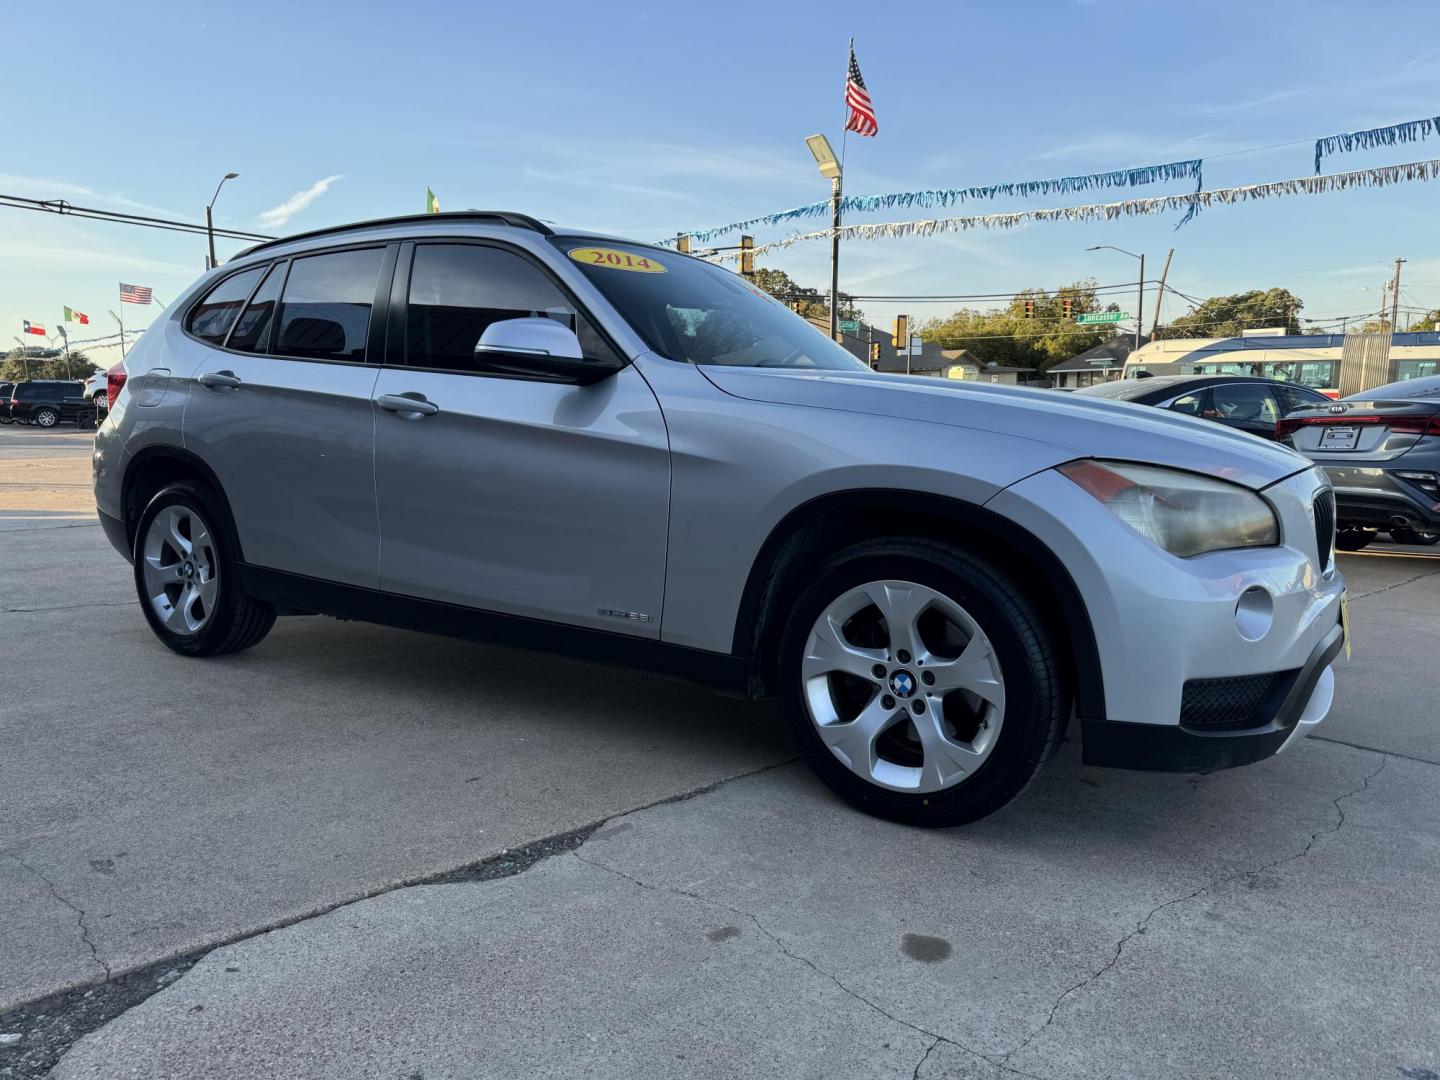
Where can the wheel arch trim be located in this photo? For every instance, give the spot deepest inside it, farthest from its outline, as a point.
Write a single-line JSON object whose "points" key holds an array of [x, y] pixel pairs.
{"points": [[754, 621], [154, 455]]}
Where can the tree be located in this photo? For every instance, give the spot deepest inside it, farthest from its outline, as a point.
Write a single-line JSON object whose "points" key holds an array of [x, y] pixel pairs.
{"points": [[1229, 316], [813, 304], [14, 367], [1007, 337], [1431, 321]]}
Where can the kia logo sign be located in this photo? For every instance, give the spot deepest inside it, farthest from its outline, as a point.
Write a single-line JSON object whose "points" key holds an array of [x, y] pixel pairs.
{"points": [[1338, 408]]}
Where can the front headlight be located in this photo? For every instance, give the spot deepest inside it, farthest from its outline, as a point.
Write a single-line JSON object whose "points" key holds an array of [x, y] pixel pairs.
{"points": [[1183, 513]]}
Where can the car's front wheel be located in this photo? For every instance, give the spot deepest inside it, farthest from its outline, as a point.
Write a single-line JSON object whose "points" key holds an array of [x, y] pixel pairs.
{"points": [[919, 682], [186, 574]]}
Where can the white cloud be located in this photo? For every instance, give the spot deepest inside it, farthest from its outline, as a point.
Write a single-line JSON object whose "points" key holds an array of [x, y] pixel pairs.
{"points": [[279, 215]]}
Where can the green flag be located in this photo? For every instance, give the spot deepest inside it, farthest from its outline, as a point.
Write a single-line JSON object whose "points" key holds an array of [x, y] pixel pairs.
{"points": [[432, 204]]}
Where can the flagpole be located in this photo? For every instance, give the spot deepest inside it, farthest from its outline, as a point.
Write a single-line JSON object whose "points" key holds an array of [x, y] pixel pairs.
{"points": [[836, 186]]}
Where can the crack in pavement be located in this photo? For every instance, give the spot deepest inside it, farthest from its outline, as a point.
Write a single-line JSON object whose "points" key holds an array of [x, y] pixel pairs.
{"points": [[67, 607], [1144, 924], [79, 912], [787, 951], [1396, 585]]}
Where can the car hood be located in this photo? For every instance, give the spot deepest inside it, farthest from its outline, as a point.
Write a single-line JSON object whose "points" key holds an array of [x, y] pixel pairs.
{"points": [[1075, 426]]}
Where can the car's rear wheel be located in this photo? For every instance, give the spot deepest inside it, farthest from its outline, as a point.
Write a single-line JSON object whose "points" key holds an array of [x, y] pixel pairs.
{"points": [[102, 401], [1414, 536], [919, 682], [46, 418], [1354, 539], [186, 574]]}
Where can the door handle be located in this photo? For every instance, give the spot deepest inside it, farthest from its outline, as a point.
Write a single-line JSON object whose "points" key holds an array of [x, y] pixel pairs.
{"points": [[220, 380], [408, 406]]}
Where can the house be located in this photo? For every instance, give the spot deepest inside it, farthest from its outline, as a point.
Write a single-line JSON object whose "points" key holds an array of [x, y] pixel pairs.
{"points": [[1100, 364], [963, 364]]}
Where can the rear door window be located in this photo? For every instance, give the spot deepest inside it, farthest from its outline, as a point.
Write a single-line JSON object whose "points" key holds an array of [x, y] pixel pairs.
{"points": [[212, 318], [1245, 403], [325, 310]]}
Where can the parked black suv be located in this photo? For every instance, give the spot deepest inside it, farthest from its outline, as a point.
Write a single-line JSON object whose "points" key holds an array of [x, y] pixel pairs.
{"points": [[6, 390], [47, 402]]}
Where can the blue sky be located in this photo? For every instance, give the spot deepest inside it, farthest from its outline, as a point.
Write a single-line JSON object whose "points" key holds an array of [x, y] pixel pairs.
{"points": [[648, 118]]}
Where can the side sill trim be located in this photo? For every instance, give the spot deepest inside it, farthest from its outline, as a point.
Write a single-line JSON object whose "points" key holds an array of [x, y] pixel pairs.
{"points": [[294, 594]]}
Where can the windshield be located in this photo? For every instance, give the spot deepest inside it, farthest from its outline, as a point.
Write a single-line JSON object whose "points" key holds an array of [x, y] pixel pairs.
{"points": [[689, 310]]}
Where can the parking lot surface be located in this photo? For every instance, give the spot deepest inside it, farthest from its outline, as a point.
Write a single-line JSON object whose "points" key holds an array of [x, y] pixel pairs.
{"points": [[1273, 920]]}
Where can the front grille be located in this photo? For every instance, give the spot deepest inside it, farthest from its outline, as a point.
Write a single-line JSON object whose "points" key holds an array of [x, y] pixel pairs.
{"points": [[1245, 701], [1325, 527]]}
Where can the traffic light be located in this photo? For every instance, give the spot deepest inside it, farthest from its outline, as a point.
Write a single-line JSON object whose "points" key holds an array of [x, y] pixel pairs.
{"points": [[901, 340], [1066, 306], [747, 256], [1029, 307], [682, 244], [874, 353]]}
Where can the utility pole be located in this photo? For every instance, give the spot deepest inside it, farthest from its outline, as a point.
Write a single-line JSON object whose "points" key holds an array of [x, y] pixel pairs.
{"points": [[1395, 299], [1160, 296], [1140, 304]]}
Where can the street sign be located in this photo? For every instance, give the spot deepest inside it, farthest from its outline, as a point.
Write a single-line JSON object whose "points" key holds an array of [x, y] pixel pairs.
{"points": [[1103, 317], [849, 325]]}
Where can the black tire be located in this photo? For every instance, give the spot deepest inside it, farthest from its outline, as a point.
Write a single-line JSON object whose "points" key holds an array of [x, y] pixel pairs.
{"points": [[1414, 536], [1036, 700], [238, 621], [46, 418], [1353, 539]]}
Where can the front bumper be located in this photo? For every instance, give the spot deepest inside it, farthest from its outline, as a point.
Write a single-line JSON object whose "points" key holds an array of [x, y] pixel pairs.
{"points": [[1180, 749], [1162, 622]]}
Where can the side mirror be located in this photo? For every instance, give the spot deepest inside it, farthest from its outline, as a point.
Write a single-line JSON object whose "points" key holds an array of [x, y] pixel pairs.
{"points": [[538, 346]]}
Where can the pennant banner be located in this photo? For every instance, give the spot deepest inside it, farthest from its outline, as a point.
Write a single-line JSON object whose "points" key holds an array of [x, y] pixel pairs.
{"points": [[1307, 185], [1063, 185], [1410, 131]]}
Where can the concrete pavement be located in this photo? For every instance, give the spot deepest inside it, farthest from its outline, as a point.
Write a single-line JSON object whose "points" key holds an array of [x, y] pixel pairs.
{"points": [[1274, 920]]}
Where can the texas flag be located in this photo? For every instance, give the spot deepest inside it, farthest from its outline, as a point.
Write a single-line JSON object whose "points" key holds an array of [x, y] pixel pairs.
{"points": [[34, 328]]}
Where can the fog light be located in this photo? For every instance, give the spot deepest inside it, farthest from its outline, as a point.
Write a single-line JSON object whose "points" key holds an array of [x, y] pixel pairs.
{"points": [[1254, 613]]}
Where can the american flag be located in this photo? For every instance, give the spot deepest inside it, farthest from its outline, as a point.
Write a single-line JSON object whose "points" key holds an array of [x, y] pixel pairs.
{"points": [[134, 294], [862, 113]]}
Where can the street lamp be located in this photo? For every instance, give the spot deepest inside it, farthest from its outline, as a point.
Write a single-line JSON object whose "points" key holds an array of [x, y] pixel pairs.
{"points": [[1140, 304], [24, 358], [830, 169], [209, 224]]}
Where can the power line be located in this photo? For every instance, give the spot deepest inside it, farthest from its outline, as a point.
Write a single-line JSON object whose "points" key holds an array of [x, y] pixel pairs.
{"points": [[66, 209]]}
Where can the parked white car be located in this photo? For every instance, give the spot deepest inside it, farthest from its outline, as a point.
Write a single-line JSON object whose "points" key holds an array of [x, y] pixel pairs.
{"points": [[95, 390]]}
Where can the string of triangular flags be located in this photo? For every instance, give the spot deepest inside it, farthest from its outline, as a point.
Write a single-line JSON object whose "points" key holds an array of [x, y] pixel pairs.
{"points": [[1347, 142], [1305, 185]]}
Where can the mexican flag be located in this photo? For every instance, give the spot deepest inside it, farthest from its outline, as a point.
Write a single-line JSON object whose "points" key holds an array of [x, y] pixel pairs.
{"points": [[432, 204], [71, 315]]}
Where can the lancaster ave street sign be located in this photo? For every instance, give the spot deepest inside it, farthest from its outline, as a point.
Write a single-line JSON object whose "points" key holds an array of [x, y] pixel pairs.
{"points": [[1103, 317]]}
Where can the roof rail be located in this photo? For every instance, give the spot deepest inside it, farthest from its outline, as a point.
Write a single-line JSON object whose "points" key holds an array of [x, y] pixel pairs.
{"points": [[504, 217]]}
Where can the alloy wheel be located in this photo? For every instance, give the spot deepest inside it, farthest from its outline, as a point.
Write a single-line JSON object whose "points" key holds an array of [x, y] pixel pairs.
{"points": [[181, 570], [46, 418], [903, 686]]}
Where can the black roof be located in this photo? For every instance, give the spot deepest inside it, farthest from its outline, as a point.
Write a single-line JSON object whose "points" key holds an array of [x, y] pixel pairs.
{"points": [[1164, 385]]}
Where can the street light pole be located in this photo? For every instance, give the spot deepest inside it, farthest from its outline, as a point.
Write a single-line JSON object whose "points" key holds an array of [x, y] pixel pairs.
{"points": [[830, 169], [1139, 310], [209, 223]]}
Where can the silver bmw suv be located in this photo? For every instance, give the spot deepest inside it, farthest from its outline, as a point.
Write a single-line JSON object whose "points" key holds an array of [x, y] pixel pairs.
{"points": [[473, 424]]}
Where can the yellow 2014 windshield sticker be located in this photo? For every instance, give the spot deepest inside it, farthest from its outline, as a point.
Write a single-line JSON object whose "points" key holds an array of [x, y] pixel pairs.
{"points": [[613, 259]]}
